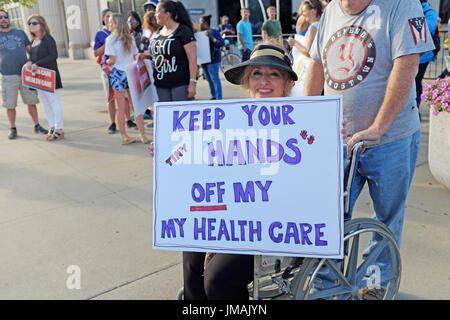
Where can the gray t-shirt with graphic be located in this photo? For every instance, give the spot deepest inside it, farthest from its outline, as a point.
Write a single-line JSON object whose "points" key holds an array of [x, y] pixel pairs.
{"points": [[13, 53], [357, 54]]}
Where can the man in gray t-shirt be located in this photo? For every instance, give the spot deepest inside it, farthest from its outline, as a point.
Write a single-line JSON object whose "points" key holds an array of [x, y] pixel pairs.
{"points": [[13, 51], [368, 52], [14, 45]]}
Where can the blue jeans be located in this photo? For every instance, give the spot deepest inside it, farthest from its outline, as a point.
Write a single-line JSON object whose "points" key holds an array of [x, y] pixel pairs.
{"points": [[245, 54], [388, 170], [211, 72]]}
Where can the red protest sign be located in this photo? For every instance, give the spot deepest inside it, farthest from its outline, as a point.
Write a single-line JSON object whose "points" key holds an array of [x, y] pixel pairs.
{"points": [[41, 79], [144, 77]]}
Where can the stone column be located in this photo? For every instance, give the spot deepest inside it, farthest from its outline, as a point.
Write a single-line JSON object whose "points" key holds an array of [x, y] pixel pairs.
{"points": [[95, 23], [51, 11], [77, 28]]}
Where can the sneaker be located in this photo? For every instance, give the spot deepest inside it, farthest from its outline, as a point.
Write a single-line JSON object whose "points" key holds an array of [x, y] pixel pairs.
{"points": [[128, 140], [131, 124], [12, 134], [112, 128], [144, 140], [39, 129], [372, 293]]}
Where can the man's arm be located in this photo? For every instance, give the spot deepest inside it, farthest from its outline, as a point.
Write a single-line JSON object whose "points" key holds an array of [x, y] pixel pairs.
{"points": [[241, 40], [398, 89], [100, 51], [263, 35], [314, 79]]}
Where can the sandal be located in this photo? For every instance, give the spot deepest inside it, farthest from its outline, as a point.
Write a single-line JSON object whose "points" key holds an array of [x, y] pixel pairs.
{"points": [[49, 133], [56, 136]]}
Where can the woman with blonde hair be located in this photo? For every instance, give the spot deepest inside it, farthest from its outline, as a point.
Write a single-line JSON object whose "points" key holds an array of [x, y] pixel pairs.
{"points": [[121, 48], [221, 276], [43, 53], [311, 12]]}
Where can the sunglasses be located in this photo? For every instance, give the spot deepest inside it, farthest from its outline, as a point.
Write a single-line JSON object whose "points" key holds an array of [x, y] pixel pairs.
{"points": [[4, 17], [33, 23]]}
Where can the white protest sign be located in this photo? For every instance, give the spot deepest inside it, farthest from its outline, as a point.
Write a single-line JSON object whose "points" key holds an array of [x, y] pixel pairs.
{"points": [[142, 90], [203, 48], [300, 67], [249, 176]]}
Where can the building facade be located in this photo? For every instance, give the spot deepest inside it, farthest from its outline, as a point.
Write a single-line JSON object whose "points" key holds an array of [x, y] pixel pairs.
{"points": [[73, 23]]}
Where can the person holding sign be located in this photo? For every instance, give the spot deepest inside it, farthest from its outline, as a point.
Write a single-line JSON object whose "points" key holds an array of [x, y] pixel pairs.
{"points": [[174, 53], [99, 52], [375, 75], [43, 53], [311, 12], [211, 70], [121, 49], [267, 74]]}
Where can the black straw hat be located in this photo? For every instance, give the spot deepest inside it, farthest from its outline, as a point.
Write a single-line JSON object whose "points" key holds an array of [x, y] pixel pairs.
{"points": [[264, 55]]}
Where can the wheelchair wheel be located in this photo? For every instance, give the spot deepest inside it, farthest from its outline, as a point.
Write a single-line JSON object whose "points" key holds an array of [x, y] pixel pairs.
{"points": [[229, 60], [267, 290], [180, 294], [350, 273]]}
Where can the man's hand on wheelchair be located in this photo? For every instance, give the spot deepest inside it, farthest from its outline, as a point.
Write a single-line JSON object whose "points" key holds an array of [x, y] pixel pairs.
{"points": [[369, 134]]}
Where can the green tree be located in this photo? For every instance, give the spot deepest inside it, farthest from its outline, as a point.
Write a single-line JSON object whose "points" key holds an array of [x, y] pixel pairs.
{"points": [[25, 3]]}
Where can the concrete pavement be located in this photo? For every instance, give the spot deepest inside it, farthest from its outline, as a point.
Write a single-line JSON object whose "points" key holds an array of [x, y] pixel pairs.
{"points": [[83, 205]]}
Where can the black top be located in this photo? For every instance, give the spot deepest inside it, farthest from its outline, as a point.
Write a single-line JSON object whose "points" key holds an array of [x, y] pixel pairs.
{"points": [[44, 55], [170, 62]]}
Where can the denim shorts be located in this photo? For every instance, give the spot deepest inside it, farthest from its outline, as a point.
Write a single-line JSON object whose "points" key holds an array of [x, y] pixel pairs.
{"points": [[119, 80]]}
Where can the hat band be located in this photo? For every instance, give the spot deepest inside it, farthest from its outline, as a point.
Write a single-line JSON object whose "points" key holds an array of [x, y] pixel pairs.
{"points": [[267, 52]]}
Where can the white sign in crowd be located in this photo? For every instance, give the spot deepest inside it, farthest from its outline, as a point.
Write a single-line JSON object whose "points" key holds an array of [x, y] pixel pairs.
{"points": [[249, 176]]}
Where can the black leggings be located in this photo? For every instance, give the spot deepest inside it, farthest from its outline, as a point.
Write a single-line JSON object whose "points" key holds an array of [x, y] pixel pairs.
{"points": [[419, 77], [225, 278]]}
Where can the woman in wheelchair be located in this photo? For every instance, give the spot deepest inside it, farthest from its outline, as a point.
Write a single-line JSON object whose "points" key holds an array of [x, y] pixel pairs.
{"points": [[267, 74]]}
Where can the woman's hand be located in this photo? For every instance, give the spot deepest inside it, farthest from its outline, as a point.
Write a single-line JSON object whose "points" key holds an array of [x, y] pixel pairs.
{"points": [[30, 66], [139, 57], [192, 89], [291, 42]]}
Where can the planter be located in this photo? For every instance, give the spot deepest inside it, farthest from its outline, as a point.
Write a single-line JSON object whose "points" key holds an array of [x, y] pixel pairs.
{"points": [[439, 147]]}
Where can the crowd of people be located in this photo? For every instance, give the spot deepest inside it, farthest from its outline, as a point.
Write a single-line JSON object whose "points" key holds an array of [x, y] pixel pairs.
{"points": [[380, 101]]}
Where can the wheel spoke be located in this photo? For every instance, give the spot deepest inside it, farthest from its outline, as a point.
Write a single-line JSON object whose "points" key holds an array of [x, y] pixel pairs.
{"points": [[371, 259], [338, 273], [327, 293], [353, 260]]}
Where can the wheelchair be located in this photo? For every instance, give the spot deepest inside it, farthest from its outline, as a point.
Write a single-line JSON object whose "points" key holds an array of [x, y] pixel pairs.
{"points": [[295, 278]]}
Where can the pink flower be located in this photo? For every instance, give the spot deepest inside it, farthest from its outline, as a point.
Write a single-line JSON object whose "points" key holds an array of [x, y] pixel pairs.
{"points": [[435, 112], [435, 93]]}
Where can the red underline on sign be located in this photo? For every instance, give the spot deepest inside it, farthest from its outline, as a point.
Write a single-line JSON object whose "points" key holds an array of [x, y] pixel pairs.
{"points": [[208, 208]]}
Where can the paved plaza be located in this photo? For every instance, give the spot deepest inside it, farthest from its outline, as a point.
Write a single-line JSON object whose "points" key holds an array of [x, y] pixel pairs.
{"points": [[83, 205]]}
